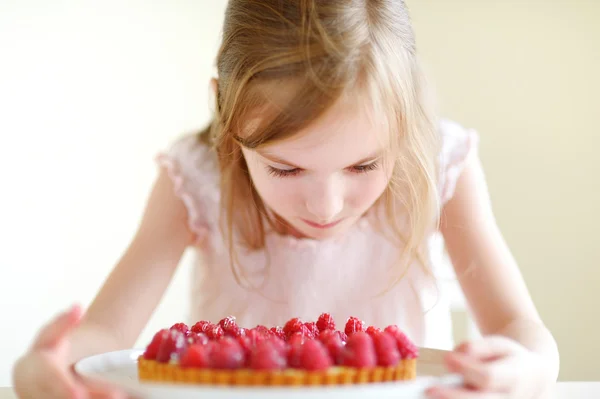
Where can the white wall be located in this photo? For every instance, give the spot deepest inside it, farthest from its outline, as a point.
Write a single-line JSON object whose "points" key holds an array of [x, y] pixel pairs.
{"points": [[90, 91]]}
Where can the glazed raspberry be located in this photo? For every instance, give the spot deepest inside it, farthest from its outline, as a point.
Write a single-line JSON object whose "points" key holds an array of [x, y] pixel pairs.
{"points": [[359, 351], [171, 346], [152, 349], [292, 326], [196, 356], [227, 354], [266, 356], [354, 325], [181, 327], [325, 322], [215, 332], [386, 349], [197, 338], [313, 330], [314, 356], [407, 349], [201, 326], [373, 331], [335, 346], [278, 332]]}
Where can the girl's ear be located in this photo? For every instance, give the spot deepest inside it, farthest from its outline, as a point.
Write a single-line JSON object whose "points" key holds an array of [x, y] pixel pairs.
{"points": [[212, 91]]}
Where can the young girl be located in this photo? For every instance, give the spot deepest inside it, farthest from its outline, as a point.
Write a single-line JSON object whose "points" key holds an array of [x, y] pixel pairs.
{"points": [[318, 187]]}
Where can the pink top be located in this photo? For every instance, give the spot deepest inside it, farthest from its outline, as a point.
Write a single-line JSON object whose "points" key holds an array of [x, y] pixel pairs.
{"points": [[343, 276]]}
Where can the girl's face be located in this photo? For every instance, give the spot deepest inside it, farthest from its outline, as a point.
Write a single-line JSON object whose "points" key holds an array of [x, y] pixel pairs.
{"points": [[324, 178]]}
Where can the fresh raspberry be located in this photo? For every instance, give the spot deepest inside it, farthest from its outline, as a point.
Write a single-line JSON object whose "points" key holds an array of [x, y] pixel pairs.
{"points": [[229, 326], [386, 349], [278, 343], [297, 338], [215, 332], [181, 327], [314, 356], [407, 349], [313, 330], [262, 330], [335, 346], [327, 334], [196, 356], [201, 327], [152, 349], [372, 331], [254, 337], [278, 332], [359, 351], [197, 338], [292, 326], [240, 332], [325, 322], [294, 352], [171, 346], [354, 325], [266, 356], [227, 354]]}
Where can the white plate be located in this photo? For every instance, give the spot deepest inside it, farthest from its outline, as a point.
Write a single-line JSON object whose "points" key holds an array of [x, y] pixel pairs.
{"points": [[120, 369]]}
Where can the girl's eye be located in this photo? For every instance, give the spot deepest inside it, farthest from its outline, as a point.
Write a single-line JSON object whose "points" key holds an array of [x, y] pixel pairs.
{"points": [[364, 168], [282, 172]]}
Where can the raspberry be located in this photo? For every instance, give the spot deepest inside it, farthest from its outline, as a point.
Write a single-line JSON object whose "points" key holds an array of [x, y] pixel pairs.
{"points": [[278, 332], [325, 322], [372, 331], [334, 344], [227, 354], [407, 349], [262, 330], [181, 327], [297, 338], [294, 353], [266, 356], [292, 326], [386, 349], [314, 356], [196, 356], [354, 325], [201, 326], [359, 351], [229, 326], [254, 337], [240, 332], [215, 332], [197, 338], [152, 349], [171, 346], [313, 330], [278, 343]]}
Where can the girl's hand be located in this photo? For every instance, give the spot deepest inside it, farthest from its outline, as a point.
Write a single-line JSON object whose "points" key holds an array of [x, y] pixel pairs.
{"points": [[495, 367], [44, 372]]}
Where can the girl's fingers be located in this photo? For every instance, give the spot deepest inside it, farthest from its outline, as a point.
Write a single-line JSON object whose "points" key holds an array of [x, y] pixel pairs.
{"points": [[488, 348], [487, 376], [58, 328]]}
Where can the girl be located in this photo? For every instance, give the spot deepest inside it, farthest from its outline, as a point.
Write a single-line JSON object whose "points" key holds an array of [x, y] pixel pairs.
{"points": [[318, 186]]}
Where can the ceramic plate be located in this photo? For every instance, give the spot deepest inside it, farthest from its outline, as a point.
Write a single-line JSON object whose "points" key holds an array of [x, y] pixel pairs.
{"points": [[120, 369]]}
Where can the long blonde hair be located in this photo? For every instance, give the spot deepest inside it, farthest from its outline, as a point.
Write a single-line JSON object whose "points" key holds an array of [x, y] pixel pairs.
{"points": [[323, 49]]}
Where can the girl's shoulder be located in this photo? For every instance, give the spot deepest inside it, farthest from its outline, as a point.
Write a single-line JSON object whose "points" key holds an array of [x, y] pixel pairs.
{"points": [[194, 171], [458, 143]]}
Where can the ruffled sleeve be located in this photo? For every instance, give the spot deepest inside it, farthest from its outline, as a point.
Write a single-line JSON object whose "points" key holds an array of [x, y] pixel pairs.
{"points": [[458, 143], [193, 169]]}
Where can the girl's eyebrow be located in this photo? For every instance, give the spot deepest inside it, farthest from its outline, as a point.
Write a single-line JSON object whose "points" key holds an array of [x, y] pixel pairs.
{"points": [[276, 159]]}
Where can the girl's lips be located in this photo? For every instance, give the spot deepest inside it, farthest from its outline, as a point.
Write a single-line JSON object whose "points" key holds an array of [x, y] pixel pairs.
{"points": [[321, 226]]}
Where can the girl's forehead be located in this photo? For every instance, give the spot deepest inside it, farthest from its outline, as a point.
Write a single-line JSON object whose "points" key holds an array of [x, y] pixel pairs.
{"points": [[345, 135]]}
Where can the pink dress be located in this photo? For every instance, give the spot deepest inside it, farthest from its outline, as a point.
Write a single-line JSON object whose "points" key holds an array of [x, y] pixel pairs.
{"points": [[344, 277]]}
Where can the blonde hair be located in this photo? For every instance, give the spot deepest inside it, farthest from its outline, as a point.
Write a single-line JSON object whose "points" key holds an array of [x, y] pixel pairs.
{"points": [[324, 49]]}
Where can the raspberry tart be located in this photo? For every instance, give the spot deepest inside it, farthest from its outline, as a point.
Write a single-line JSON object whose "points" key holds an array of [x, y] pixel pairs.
{"points": [[297, 354]]}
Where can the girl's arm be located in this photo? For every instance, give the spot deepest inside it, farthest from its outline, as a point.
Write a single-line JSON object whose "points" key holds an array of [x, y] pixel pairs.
{"points": [[133, 289], [488, 274]]}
